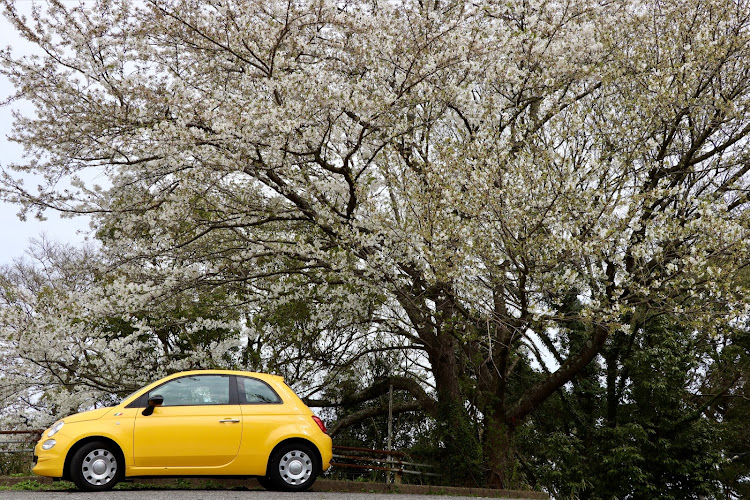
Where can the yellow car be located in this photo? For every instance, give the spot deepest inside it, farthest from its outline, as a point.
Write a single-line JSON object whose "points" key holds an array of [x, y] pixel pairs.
{"points": [[197, 423]]}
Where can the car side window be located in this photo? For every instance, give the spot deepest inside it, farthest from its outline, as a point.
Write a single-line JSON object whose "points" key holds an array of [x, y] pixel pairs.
{"points": [[194, 391], [254, 391]]}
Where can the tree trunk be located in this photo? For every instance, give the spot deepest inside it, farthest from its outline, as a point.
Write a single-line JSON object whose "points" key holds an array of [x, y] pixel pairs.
{"points": [[460, 450], [499, 453]]}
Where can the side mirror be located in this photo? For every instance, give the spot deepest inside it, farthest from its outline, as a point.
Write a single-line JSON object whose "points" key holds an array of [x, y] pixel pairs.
{"points": [[153, 402]]}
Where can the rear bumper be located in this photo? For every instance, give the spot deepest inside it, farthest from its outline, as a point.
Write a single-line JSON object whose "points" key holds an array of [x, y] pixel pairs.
{"points": [[326, 453]]}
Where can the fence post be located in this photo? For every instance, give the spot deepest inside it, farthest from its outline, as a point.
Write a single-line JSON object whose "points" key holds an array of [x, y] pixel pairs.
{"points": [[389, 475]]}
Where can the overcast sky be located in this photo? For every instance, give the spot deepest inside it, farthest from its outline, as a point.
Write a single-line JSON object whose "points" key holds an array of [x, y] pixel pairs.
{"points": [[16, 234]]}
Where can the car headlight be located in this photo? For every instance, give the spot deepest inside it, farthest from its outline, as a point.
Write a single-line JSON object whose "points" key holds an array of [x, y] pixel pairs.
{"points": [[55, 428], [48, 444]]}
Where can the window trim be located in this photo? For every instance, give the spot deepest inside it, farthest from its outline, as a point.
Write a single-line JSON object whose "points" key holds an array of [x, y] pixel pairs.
{"points": [[142, 400]]}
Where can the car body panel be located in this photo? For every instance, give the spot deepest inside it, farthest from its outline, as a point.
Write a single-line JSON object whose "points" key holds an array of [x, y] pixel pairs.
{"points": [[87, 416], [190, 440], [183, 436]]}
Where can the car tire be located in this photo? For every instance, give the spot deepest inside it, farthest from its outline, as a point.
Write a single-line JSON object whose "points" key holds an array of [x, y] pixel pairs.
{"points": [[96, 466], [293, 467]]}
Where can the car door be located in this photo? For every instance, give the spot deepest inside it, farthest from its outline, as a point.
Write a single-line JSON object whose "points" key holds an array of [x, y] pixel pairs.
{"points": [[263, 412], [199, 424]]}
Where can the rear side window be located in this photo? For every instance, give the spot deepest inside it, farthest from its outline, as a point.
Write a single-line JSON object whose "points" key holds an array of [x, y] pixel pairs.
{"points": [[254, 391]]}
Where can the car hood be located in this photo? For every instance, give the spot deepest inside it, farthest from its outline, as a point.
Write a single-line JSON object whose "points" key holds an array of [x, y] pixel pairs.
{"points": [[87, 415]]}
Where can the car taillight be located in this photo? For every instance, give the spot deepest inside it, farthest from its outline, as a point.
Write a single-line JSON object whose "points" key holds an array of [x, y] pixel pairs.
{"points": [[320, 424]]}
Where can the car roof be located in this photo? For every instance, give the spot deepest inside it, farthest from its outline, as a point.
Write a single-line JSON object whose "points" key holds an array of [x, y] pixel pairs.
{"points": [[262, 376]]}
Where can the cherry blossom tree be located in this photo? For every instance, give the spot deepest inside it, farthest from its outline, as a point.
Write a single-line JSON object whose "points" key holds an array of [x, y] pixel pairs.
{"points": [[448, 175], [73, 339]]}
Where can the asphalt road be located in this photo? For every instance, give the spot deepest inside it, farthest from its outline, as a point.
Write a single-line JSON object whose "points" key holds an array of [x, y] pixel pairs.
{"points": [[210, 495]]}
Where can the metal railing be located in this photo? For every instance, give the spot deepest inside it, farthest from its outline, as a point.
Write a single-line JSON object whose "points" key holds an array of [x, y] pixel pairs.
{"points": [[394, 463], [16, 451], [16, 444]]}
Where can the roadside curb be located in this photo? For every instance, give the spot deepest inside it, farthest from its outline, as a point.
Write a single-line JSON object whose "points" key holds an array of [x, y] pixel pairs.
{"points": [[418, 489], [321, 485]]}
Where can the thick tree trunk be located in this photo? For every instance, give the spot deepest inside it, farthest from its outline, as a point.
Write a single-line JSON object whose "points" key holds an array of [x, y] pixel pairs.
{"points": [[460, 450], [445, 368], [499, 453]]}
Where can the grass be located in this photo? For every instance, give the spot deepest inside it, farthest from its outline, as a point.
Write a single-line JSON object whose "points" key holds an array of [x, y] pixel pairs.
{"points": [[177, 484], [33, 485]]}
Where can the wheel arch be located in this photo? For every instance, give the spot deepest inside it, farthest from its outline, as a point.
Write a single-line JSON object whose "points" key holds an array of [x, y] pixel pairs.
{"points": [[299, 440], [83, 442]]}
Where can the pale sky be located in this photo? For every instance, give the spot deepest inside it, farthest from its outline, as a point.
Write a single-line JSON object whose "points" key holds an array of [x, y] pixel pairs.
{"points": [[14, 233]]}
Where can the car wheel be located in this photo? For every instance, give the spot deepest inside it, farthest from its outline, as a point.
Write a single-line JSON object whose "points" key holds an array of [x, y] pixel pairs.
{"points": [[96, 467], [293, 467]]}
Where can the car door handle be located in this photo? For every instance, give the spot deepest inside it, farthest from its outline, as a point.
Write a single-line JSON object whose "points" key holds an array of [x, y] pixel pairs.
{"points": [[229, 420]]}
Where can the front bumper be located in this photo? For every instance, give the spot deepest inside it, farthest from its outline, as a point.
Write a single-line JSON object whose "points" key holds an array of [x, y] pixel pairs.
{"points": [[50, 463]]}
